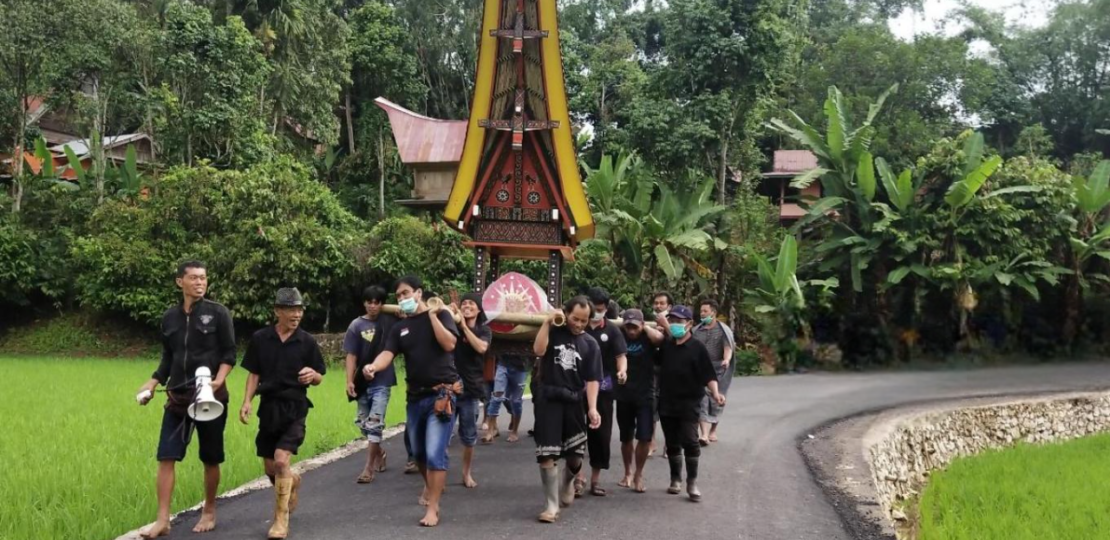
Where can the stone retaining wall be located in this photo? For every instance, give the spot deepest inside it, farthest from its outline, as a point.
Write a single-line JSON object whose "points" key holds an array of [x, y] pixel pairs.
{"points": [[903, 455]]}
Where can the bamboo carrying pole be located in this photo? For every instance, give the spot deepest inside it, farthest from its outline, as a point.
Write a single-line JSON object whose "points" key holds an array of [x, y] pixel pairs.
{"points": [[527, 323], [525, 319]]}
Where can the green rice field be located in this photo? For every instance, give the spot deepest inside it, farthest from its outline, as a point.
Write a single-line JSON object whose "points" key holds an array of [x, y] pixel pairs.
{"points": [[1057, 491], [77, 452]]}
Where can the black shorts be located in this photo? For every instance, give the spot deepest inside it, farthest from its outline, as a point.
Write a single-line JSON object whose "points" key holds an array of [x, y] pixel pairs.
{"points": [[290, 439], [177, 431], [636, 420], [560, 429]]}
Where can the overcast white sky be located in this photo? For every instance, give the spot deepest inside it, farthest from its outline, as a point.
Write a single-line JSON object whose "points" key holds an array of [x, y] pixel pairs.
{"points": [[1025, 12]]}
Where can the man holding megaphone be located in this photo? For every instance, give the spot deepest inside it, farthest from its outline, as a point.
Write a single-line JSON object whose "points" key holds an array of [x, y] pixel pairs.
{"points": [[196, 334]]}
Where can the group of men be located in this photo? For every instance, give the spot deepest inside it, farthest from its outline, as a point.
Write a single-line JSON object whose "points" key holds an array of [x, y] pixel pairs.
{"points": [[585, 373]]}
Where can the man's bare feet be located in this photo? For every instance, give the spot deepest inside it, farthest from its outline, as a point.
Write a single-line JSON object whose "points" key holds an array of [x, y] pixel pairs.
{"points": [[513, 437], [490, 436], [431, 518], [712, 436], [423, 498], [638, 484], [156, 529], [469, 482], [626, 481], [207, 522]]}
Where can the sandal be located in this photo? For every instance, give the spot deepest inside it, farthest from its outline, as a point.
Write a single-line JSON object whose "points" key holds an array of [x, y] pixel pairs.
{"points": [[365, 478], [598, 491], [703, 442]]}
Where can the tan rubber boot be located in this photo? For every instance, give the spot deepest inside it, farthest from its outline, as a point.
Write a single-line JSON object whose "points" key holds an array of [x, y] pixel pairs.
{"points": [[550, 477], [566, 487], [293, 495], [283, 490]]}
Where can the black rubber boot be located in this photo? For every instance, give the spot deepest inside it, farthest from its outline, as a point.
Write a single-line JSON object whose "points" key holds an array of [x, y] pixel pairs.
{"points": [[676, 473], [692, 478]]}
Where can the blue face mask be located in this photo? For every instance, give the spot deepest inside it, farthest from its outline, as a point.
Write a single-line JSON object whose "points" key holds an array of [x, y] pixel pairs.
{"points": [[678, 330], [708, 320], [408, 306]]}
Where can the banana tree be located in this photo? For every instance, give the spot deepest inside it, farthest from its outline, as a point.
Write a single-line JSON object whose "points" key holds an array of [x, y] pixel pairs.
{"points": [[677, 230], [649, 227], [620, 194], [847, 174], [963, 276], [780, 297], [1091, 239]]}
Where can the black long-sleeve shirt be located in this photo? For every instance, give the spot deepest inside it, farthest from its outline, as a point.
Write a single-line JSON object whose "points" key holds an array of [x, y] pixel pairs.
{"points": [[205, 337]]}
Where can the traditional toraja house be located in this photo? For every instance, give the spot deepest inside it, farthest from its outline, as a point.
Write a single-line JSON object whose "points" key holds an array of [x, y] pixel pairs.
{"points": [[787, 165], [518, 193], [431, 148]]}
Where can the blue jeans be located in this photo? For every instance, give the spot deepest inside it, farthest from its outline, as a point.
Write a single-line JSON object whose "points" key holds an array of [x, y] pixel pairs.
{"points": [[467, 409], [372, 405], [427, 433], [508, 389]]}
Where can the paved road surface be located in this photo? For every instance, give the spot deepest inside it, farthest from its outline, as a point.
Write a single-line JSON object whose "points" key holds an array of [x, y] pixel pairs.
{"points": [[754, 481]]}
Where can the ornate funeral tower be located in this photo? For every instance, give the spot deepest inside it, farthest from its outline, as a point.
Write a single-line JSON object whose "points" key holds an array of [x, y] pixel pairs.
{"points": [[517, 192]]}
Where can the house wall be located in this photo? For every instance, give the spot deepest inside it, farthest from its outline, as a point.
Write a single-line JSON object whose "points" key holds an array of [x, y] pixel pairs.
{"points": [[433, 183], [143, 152]]}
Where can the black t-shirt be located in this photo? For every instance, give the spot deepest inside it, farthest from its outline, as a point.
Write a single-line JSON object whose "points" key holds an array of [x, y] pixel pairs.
{"points": [[684, 372], [611, 341], [426, 363], [470, 364], [640, 387], [571, 360], [277, 363]]}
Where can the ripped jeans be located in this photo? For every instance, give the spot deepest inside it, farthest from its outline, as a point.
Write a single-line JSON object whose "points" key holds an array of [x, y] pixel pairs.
{"points": [[508, 389], [372, 405]]}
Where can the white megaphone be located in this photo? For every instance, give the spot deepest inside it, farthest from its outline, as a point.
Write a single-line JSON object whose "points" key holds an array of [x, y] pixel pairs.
{"points": [[205, 407]]}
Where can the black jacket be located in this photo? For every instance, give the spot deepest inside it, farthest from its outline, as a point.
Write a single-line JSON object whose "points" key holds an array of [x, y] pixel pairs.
{"points": [[205, 337]]}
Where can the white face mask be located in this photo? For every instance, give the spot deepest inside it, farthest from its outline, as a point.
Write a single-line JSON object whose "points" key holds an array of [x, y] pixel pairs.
{"points": [[597, 316]]}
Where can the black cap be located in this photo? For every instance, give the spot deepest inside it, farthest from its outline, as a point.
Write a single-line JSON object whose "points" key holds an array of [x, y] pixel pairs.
{"points": [[681, 312], [633, 316], [288, 297]]}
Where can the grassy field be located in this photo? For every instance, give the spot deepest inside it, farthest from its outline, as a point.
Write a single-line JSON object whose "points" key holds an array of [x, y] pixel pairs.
{"points": [[1057, 491], [77, 452]]}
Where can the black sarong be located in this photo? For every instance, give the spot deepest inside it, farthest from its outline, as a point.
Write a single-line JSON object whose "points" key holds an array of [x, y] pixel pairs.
{"points": [[560, 428]]}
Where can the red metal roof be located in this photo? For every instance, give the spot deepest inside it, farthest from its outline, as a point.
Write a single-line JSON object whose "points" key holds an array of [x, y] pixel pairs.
{"points": [[794, 161], [424, 140]]}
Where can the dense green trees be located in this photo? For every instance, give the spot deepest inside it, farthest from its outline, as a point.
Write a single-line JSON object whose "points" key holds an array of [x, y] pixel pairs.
{"points": [[968, 207]]}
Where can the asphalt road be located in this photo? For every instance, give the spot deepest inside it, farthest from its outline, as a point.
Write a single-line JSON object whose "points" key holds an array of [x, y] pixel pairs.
{"points": [[754, 481]]}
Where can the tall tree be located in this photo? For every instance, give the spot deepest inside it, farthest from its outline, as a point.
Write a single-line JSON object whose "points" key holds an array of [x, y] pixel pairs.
{"points": [[305, 42], [445, 34], [1056, 75], [26, 52], [101, 76], [383, 64], [212, 79], [721, 62]]}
